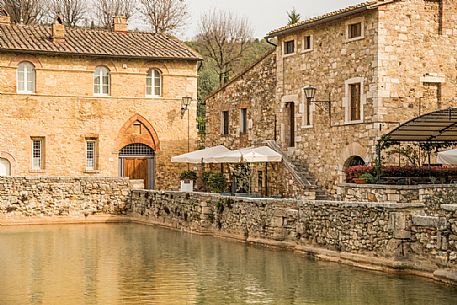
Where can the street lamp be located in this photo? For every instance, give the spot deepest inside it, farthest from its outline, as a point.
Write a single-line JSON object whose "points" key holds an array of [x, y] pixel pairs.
{"points": [[185, 103], [310, 94]]}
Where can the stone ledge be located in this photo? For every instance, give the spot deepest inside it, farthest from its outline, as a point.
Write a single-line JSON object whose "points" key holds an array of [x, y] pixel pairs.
{"points": [[449, 207]]}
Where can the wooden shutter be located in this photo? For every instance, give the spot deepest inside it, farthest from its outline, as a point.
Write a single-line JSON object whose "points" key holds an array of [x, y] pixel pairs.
{"points": [[355, 102]]}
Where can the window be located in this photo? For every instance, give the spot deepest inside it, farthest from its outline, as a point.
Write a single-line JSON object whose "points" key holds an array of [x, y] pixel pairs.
{"points": [[243, 121], [307, 43], [37, 153], [25, 78], [154, 83], [91, 163], [355, 30], [101, 81], [225, 123], [355, 101], [289, 47]]}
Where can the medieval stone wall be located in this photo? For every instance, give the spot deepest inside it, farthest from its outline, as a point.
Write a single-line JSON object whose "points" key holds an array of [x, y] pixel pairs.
{"points": [[22, 197], [405, 234], [64, 111], [253, 90]]}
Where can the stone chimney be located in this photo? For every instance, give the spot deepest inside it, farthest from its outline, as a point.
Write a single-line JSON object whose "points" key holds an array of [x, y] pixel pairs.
{"points": [[58, 31], [4, 17], [120, 24]]}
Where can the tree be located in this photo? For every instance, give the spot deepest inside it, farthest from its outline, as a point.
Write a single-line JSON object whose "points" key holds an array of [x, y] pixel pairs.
{"points": [[224, 38], [72, 12], [24, 11], [164, 16], [107, 9], [293, 16]]}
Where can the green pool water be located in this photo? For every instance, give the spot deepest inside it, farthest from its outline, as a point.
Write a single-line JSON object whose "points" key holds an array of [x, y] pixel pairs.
{"points": [[136, 264]]}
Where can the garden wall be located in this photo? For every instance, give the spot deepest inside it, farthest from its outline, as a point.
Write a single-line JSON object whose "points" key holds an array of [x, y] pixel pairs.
{"points": [[49, 197], [365, 233]]}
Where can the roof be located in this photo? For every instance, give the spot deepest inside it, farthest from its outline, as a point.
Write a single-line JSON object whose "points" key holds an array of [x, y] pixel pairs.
{"points": [[78, 41], [350, 10], [438, 126]]}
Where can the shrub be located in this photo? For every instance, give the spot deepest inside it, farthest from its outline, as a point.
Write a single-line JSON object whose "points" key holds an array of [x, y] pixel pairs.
{"points": [[369, 178], [216, 182], [188, 175], [402, 171], [357, 171]]}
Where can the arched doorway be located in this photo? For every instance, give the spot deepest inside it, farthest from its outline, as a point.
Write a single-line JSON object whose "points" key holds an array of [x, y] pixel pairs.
{"points": [[137, 161], [5, 167], [354, 161]]}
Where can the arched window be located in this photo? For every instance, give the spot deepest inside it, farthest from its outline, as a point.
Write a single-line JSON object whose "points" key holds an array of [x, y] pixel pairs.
{"points": [[25, 78], [5, 167], [154, 83], [101, 81]]}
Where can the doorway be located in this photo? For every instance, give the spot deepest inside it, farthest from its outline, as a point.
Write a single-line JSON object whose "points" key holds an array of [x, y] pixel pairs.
{"points": [[290, 124], [137, 162]]}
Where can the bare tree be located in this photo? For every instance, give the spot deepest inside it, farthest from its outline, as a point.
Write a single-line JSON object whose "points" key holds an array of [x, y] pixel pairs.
{"points": [[24, 11], [73, 12], [165, 16], [224, 38], [107, 9]]}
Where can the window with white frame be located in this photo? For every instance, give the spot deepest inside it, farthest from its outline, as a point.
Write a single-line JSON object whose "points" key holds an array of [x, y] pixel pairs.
{"points": [[25, 82], [37, 153], [91, 161], [101, 81], [243, 120], [308, 43], [154, 83], [289, 47]]}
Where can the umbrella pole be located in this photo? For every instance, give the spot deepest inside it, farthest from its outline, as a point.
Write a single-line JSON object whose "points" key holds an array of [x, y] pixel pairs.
{"points": [[266, 179]]}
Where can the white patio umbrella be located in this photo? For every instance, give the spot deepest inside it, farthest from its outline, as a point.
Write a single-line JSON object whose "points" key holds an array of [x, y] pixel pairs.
{"points": [[448, 157], [200, 156], [260, 154]]}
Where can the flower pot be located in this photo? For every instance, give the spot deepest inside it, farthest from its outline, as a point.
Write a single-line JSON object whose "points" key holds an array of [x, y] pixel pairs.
{"points": [[359, 180]]}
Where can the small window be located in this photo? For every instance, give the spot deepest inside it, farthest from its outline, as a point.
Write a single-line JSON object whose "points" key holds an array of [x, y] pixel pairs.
{"points": [[355, 91], [355, 30], [243, 121], [289, 47], [91, 147], [101, 81], [37, 153], [25, 78], [225, 122], [307, 43], [154, 83]]}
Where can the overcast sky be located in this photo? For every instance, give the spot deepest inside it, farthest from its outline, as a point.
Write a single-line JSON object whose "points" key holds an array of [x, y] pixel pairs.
{"points": [[264, 15]]}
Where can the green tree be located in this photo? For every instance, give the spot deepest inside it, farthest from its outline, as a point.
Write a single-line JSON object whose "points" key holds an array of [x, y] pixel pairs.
{"points": [[293, 16]]}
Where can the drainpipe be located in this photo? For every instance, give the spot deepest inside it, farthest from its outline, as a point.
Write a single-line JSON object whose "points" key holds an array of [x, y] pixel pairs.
{"points": [[268, 41]]}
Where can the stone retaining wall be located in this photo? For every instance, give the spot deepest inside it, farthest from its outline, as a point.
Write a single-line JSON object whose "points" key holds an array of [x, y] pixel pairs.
{"points": [[50, 197], [399, 232]]}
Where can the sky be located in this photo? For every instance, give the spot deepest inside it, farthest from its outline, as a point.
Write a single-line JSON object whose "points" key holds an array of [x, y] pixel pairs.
{"points": [[263, 15]]}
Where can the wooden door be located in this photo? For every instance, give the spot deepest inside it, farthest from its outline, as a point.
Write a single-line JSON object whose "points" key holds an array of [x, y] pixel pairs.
{"points": [[136, 168], [290, 124]]}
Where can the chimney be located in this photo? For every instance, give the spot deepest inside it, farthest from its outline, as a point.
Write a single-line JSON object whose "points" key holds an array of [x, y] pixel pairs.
{"points": [[120, 24], [58, 31], [4, 17]]}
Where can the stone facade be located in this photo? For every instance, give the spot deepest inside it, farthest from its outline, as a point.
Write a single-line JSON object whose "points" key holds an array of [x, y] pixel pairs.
{"points": [[64, 112], [404, 61], [63, 197]]}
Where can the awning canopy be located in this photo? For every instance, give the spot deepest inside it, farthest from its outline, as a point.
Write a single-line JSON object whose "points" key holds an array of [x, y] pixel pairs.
{"points": [[435, 127], [448, 157], [199, 156], [221, 154]]}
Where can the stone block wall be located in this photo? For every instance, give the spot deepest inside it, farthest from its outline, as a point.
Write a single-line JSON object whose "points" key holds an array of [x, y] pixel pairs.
{"points": [[71, 197], [404, 232]]}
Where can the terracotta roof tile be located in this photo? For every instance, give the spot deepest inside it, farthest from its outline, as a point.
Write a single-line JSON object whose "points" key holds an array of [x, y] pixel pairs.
{"points": [[94, 42], [323, 17]]}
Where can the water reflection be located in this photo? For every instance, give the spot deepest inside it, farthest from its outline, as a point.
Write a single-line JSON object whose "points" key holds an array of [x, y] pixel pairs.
{"points": [[134, 264]]}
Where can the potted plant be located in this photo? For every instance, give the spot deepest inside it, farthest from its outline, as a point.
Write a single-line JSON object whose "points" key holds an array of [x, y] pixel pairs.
{"points": [[188, 179]]}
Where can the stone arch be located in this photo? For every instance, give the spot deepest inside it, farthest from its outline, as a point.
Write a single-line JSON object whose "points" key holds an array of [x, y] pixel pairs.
{"points": [[137, 130], [353, 161], [11, 160]]}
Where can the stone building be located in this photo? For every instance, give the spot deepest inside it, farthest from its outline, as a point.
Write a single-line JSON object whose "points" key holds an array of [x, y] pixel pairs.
{"points": [[374, 66], [84, 102]]}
